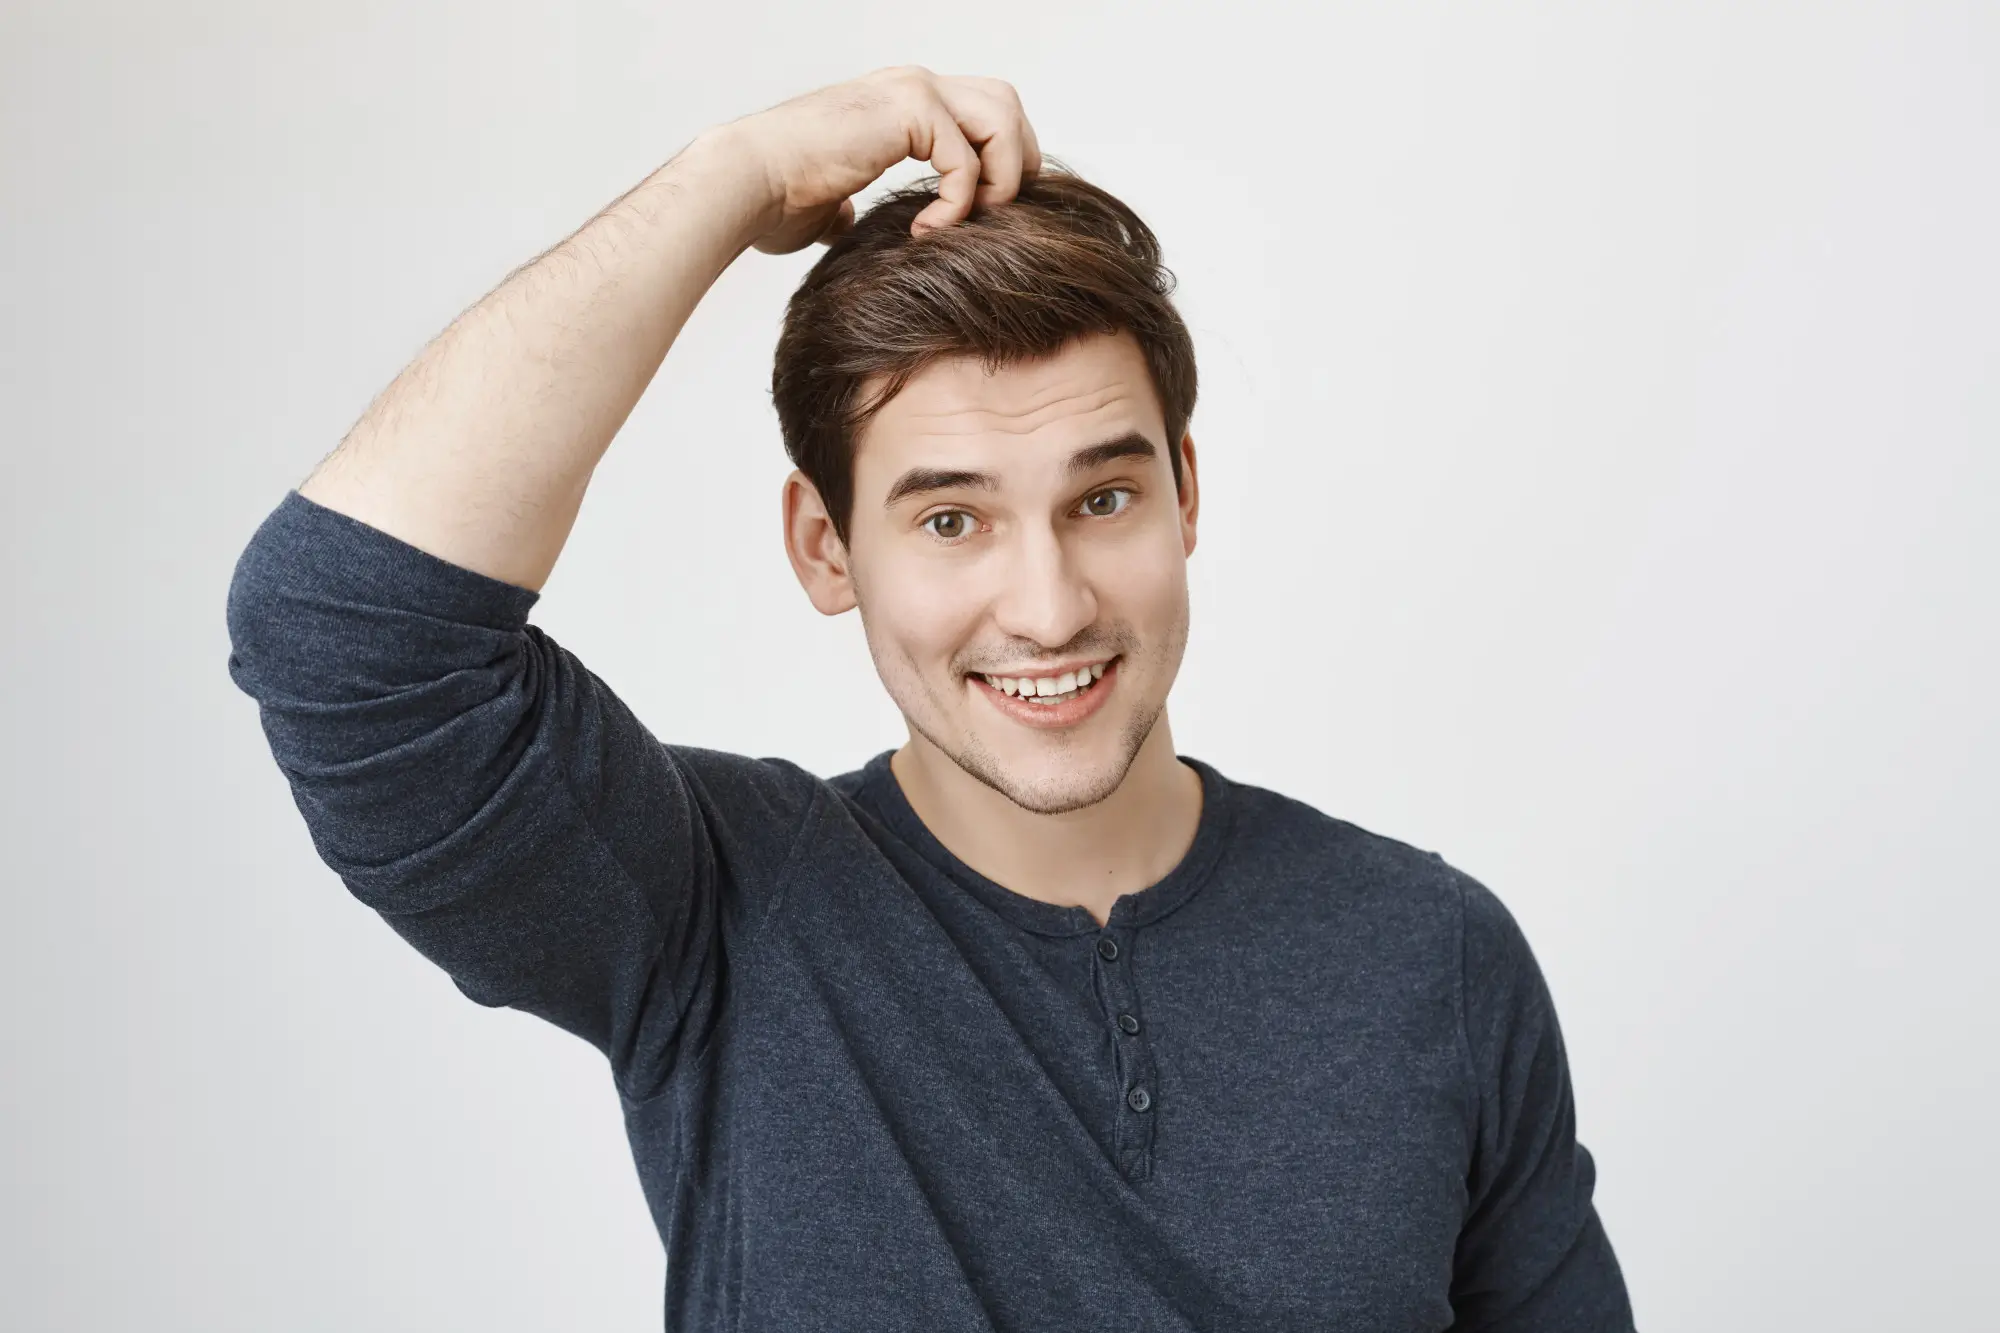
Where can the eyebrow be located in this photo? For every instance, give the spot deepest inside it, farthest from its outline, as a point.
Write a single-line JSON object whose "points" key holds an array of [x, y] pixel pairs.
{"points": [[923, 480]]}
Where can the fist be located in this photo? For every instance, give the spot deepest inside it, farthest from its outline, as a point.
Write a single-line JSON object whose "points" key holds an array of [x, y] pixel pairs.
{"points": [[819, 150]]}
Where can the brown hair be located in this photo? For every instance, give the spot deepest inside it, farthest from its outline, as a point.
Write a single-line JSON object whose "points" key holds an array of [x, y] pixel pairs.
{"points": [[1013, 282]]}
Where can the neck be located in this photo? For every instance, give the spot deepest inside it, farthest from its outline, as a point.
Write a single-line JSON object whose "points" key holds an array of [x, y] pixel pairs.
{"points": [[1085, 858]]}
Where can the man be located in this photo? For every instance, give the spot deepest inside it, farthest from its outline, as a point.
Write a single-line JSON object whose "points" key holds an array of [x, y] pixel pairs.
{"points": [[1029, 1024]]}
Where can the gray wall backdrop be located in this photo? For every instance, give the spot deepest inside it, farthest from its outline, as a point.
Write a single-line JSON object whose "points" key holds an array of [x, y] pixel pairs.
{"points": [[1599, 435]]}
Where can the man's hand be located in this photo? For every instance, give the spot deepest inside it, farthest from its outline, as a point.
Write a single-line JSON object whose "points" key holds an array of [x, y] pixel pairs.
{"points": [[481, 449], [819, 150]]}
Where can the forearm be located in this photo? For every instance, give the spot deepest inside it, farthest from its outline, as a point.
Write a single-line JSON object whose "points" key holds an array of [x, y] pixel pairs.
{"points": [[480, 450]]}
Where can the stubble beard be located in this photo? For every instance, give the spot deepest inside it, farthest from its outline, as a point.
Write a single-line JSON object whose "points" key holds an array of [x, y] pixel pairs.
{"points": [[1053, 796]]}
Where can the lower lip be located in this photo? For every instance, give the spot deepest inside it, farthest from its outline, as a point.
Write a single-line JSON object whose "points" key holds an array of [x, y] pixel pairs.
{"points": [[1052, 717]]}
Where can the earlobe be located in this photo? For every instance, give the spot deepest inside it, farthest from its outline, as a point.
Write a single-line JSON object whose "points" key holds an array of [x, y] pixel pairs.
{"points": [[818, 556]]}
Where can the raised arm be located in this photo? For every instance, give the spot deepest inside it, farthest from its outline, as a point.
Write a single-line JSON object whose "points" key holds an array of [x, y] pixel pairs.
{"points": [[465, 775], [480, 450]]}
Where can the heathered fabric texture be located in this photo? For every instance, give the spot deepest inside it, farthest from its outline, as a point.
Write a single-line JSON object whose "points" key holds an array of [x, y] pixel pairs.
{"points": [[1310, 1080]]}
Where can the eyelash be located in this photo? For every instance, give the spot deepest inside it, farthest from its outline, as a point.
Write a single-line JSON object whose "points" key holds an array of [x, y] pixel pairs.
{"points": [[1126, 491]]}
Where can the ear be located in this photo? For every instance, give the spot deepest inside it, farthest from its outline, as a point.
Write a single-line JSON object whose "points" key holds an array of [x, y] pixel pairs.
{"points": [[1190, 497], [818, 556]]}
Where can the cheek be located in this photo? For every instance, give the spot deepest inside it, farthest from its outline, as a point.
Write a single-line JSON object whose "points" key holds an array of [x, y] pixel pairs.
{"points": [[923, 612], [1143, 582]]}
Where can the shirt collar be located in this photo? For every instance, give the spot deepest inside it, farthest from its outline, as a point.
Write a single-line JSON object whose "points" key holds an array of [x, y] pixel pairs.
{"points": [[881, 790]]}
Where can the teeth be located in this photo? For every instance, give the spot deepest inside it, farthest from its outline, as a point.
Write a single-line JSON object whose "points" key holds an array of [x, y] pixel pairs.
{"points": [[1048, 689]]}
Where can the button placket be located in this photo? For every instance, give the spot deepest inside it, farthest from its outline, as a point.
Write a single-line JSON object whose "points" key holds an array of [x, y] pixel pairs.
{"points": [[1137, 1092]]}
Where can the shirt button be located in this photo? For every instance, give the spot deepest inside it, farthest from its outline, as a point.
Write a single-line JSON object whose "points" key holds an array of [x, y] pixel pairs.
{"points": [[1107, 948], [1128, 1024], [1137, 1099]]}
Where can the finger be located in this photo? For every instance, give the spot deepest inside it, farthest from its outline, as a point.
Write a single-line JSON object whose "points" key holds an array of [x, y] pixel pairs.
{"points": [[1021, 143], [843, 223], [1000, 169], [990, 116], [957, 166], [799, 232]]}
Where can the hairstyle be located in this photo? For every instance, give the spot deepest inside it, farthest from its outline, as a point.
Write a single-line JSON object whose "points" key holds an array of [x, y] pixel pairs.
{"points": [[1013, 282]]}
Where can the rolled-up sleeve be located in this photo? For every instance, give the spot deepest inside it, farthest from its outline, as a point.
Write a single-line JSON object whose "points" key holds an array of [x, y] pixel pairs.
{"points": [[1532, 1254], [471, 781]]}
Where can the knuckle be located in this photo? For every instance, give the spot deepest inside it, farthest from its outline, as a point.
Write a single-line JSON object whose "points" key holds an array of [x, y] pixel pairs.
{"points": [[997, 88], [914, 86]]}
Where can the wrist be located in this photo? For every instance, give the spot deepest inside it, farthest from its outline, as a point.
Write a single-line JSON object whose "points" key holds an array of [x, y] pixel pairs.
{"points": [[725, 165]]}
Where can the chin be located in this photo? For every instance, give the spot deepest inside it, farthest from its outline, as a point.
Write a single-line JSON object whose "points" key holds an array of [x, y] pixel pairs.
{"points": [[1054, 776], [1045, 792]]}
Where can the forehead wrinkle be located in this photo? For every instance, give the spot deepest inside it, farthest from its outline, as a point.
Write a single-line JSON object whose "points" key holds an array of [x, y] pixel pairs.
{"points": [[983, 420]]}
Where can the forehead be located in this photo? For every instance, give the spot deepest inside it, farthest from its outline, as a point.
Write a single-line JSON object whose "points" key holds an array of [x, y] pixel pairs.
{"points": [[954, 411]]}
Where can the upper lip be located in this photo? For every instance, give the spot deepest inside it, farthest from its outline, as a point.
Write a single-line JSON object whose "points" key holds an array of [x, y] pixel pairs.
{"points": [[1038, 673]]}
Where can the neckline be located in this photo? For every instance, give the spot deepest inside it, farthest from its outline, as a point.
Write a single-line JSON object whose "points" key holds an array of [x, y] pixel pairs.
{"points": [[1130, 911]]}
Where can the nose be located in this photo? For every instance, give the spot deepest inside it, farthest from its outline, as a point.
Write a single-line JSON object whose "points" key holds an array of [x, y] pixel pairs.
{"points": [[1045, 597]]}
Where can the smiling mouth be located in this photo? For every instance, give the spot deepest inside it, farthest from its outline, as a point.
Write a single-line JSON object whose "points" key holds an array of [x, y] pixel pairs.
{"points": [[1050, 691]]}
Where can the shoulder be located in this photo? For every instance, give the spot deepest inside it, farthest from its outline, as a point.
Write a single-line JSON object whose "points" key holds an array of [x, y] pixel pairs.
{"points": [[1398, 903], [1358, 868], [1287, 835]]}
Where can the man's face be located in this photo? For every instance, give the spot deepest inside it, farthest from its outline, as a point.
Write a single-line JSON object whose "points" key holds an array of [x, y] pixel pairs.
{"points": [[1024, 526]]}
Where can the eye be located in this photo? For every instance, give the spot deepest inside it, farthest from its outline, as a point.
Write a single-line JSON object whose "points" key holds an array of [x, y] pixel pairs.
{"points": [[948, 524], [1105, 503]]}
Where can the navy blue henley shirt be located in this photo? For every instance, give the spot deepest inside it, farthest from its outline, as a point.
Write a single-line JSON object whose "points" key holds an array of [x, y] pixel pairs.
{"points": [[1312, 1079]]}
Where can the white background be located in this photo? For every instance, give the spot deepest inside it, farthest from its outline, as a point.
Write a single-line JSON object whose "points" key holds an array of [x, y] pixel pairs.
{"points": [[1598, 422]]}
